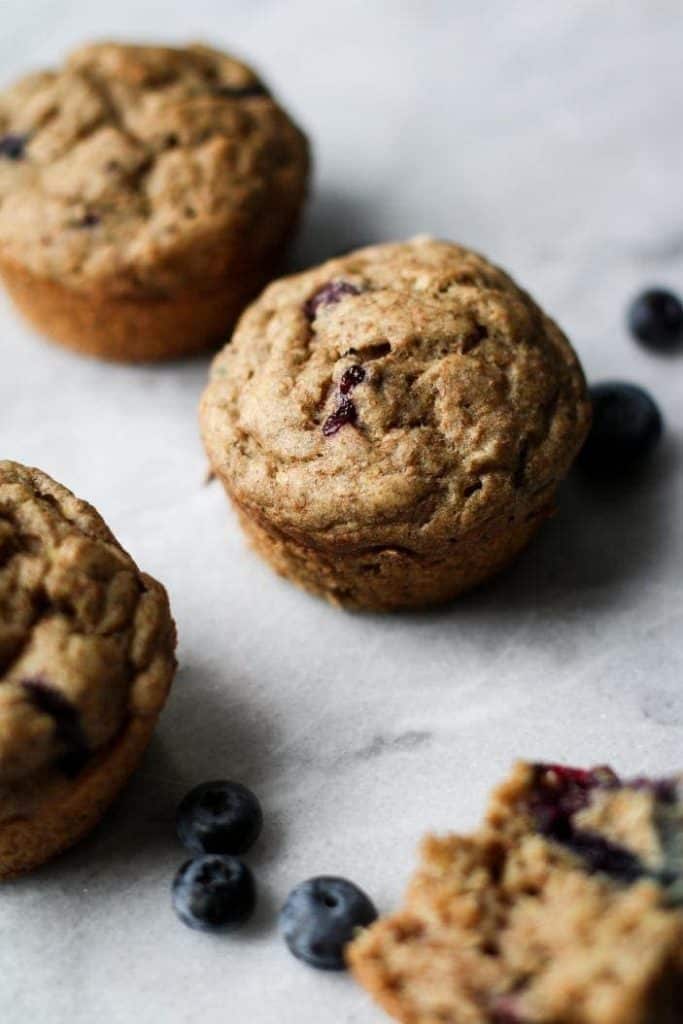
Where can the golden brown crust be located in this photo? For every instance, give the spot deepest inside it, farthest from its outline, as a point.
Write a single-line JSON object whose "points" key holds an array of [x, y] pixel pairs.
{"points": [[73, 810], [86, 660], [467, 406], [508, 927], [132, 329], [386, 578], [146, 174]]}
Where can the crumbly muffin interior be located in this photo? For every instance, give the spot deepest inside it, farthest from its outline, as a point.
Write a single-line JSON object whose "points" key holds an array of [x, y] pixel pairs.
{"points": [[563, 909]]}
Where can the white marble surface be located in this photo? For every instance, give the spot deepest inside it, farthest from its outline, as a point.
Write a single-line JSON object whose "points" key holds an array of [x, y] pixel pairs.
{"points": [[547, 135]]}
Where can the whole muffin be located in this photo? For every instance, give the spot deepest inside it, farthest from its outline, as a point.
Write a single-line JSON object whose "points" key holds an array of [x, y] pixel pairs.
{"points": [[392, 425], [86, 660], [146, 195]]}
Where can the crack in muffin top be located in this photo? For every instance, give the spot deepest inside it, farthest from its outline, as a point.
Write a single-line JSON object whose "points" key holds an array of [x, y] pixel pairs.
{"points": [[401, 395], [145, 167], [86, 639]]}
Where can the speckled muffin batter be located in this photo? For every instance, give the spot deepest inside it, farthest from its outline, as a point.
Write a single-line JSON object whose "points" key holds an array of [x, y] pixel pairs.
{"points": [[86, 660], [392, 425], [564, 908], [146, 194]]}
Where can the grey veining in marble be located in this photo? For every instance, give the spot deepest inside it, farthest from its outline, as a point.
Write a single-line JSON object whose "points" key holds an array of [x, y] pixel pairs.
{"points": [[547, 135]]}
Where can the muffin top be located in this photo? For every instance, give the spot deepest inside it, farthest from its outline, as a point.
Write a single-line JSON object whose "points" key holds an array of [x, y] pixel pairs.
{"points": [[86, 639], [401, 395], [142, 167]]}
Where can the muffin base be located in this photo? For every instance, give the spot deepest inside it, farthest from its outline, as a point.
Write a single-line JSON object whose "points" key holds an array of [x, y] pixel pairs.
{"points": [[59, 822], [389, 579], [134, 328]]}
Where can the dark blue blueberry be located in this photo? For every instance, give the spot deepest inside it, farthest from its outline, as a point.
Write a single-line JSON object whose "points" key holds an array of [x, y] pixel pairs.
{"points": [[329, 295], [214, 892], [219, 817], [655, 317], [12, 146], [67, 721], [320, 918], [626, 428], [345, 413]]}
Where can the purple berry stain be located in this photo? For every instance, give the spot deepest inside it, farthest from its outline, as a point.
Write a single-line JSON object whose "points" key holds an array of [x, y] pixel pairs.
{"points": [[329, 295], [505, 1010], [240, 92], [12, 146], [558, 794], [88, 220], [67, 720], [346, 411]]}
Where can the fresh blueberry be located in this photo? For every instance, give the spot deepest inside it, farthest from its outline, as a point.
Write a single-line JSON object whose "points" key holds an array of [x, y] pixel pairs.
{"points": [[655, 317], [219, 817], [320, 917], [214, 892], [12, 146], [626, 427]]}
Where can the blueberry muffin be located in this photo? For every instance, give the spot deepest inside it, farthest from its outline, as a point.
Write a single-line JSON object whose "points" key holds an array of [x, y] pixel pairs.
{"points": [[392, 425], [86, 660], [146, 194], [566, 907]]}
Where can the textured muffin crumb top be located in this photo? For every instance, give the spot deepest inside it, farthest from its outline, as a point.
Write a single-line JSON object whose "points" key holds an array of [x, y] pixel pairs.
{"points": [[86, 640], [132, 164], [401, 394]]}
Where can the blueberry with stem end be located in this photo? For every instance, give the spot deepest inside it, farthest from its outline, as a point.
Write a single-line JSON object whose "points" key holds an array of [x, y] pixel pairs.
{"points": [[320, 917]]}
